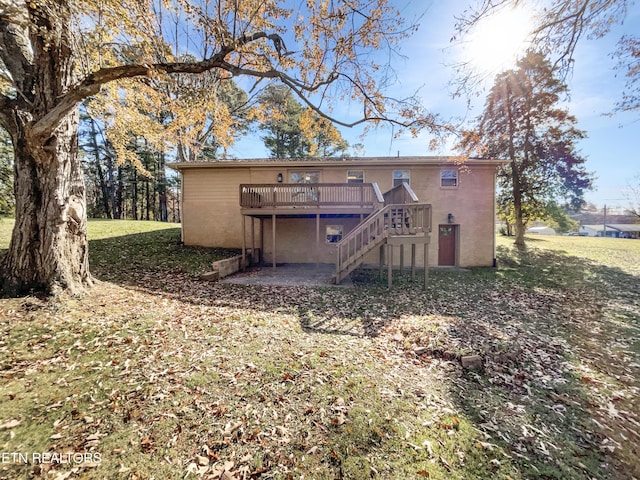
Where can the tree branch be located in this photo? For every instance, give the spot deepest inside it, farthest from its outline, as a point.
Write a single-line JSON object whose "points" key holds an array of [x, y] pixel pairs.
{"points": [[16, 53], [93, 82], [278, 42], [91, 85]]}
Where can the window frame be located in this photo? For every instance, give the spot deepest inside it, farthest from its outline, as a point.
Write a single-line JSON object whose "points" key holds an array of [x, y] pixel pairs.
{"points": [[332, 238], [455, 178], [313, 174], [401, 179], [351, 178]]}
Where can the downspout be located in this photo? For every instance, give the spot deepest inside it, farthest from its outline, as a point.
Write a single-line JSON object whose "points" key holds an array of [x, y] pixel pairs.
{"points": [[495, 216], [181, 207]]}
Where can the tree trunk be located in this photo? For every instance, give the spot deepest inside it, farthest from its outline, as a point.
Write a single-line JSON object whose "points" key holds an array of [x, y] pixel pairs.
{"points": [[104, 186], [162, 189], [104, 189], [515, 176], [49, 248], [508, 228], [119, 196], [134, 195], [517, 206], [111, 186], [147, 200]]}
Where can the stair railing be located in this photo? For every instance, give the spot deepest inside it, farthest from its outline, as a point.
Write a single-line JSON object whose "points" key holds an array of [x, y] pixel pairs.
{"points": [[393, 220], [361, 239]]}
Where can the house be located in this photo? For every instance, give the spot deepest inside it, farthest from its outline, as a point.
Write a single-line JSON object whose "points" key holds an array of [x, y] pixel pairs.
{"points": [[626, 230], [595, 230], [617, 230], [344, 211]]}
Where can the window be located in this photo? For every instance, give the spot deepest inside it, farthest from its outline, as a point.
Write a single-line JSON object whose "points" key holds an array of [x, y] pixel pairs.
{"points": [[449, 178], [304, 177], [304, 194], [400, 177], [355, 176], [334, 233]]}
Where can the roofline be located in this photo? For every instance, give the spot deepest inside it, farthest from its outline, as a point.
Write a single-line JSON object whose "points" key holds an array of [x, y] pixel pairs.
{"points": [[621, 227], [337, 161]]}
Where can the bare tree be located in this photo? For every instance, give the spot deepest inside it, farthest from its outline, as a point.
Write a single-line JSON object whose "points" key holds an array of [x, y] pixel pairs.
{"points": [[557, 28], [628, 55], [633, 197]]}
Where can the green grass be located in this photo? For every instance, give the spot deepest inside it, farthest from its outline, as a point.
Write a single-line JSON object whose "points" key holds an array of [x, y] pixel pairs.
{"points": [[286, 382], [124, 248], [120, 249]]}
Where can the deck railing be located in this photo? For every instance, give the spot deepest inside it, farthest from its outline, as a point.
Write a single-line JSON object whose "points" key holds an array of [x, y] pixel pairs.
{"points": [[400, 194], [408, 219], [283, 195]]}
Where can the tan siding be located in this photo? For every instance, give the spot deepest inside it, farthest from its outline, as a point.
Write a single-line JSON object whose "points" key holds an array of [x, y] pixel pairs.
{"points": [[266, 175], [296, 239], [211, 208], [472, 205], [211, 211]]}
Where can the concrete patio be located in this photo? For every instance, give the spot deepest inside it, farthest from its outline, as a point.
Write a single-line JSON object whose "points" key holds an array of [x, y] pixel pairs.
{"points": [[290, 274]]}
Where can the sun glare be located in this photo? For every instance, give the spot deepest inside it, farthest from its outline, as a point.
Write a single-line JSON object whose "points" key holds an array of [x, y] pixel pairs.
{"points": [[498, 40]]}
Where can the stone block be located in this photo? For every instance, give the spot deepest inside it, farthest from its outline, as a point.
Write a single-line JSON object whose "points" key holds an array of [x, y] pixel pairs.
{"points": [[211, 276], [471, 362]]}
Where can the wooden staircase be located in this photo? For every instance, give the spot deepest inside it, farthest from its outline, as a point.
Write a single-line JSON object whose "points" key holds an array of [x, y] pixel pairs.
{"points": [[399, 223]]}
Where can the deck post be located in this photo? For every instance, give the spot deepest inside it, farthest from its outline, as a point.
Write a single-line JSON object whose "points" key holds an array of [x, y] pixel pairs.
{"points": [[261, 241], [244, 243], [381, 260], [401, 258], [253, 240], [413, 262], [317, 240], [389, 265], [273, 238], [426, 265]]}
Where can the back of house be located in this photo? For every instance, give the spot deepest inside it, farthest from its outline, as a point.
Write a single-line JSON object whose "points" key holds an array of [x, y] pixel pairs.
{"points": [[299, 211]]}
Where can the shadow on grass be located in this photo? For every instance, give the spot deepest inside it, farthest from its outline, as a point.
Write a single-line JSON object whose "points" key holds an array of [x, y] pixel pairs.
{"points": [[540, 321], [157, 261], [128, 259], [550, 328]]}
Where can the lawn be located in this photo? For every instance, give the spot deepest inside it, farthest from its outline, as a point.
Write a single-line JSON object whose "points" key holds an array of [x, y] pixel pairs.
{"points": [[157, 374]]}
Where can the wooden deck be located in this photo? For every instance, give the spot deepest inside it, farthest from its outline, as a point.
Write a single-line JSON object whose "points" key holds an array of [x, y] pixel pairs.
{"points": [[393, 219], [309, 198]]}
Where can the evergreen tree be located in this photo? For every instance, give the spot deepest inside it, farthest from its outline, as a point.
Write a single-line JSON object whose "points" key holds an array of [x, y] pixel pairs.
{"points": [[281, 113], [523, 122], [293, 131]]}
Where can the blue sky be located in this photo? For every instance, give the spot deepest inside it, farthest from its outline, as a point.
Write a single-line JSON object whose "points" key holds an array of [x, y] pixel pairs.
{"points": [[612, 148]]}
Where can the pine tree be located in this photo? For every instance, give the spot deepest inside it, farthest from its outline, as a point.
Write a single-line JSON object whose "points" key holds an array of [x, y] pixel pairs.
{"points": [[523, 122]]}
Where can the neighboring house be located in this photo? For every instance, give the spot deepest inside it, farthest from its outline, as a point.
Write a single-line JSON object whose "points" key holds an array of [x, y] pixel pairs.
{"points": [[597, 231], [541, 230], [592, 230], [345, 211], [626, 230], [617, 230]]}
